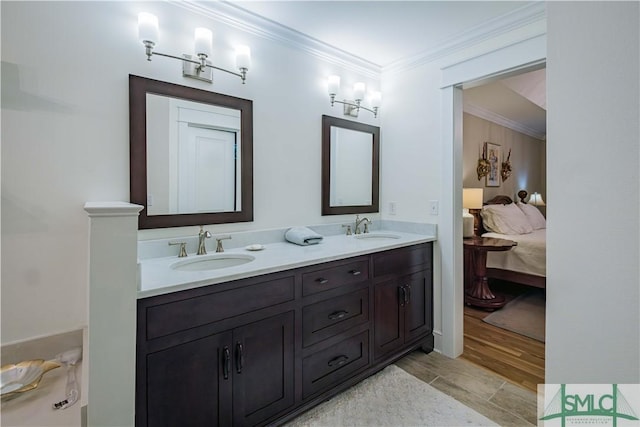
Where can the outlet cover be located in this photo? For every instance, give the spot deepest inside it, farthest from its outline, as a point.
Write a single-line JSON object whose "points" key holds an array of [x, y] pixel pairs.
{"points": [[393, 206], [433, 207]]}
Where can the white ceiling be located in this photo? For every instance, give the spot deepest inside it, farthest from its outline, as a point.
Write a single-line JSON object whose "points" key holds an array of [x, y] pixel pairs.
{"points": [[386, 32]]}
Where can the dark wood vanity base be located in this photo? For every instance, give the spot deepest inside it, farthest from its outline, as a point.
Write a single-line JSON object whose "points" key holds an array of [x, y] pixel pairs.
{"points": [[263, 350]]}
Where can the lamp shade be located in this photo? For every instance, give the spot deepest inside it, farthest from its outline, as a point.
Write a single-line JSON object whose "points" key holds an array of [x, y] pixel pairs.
{"points": [[203, 41], [358, 91], [472, 198], [243, 57], [333, 84], [376, 98], [536, 200], [148, 27]]}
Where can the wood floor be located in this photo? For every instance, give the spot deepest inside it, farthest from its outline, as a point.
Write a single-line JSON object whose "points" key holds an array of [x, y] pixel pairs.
{"points": [[515, 357]]}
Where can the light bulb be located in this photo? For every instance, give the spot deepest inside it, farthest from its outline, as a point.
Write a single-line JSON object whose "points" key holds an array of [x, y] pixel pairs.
{"points": [[358, 91]]}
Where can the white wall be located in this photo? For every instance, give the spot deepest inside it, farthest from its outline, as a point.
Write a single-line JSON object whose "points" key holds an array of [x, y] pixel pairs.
{"points": [[65, 138], [593, 299]]}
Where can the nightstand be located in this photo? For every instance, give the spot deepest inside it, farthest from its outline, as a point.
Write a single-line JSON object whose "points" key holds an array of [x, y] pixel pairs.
{"points": [[476, 285]]}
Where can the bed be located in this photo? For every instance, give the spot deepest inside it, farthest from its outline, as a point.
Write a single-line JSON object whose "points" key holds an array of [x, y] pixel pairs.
{"points": [[524, 224]]}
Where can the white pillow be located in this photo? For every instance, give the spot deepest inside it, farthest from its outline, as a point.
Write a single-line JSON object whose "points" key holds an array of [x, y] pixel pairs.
{"points": [[505, 219], [533, 214]]}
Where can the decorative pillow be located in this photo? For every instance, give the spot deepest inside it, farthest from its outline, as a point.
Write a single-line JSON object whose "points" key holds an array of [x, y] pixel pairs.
{"points": [[505, 219], [533, 214]]}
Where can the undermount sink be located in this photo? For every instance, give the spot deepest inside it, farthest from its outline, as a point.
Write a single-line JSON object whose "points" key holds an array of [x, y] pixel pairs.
{"points": [[211, 262], [377, 236]]}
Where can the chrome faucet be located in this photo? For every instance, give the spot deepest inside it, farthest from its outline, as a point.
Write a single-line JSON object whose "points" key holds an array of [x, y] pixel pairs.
{"points": [[360, 221], [202, 250]]}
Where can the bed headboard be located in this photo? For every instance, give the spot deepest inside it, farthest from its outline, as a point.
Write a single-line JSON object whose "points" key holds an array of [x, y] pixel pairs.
{"points": [[497, 200]]}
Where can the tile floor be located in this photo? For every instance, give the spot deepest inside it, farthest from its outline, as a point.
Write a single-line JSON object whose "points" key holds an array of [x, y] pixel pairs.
{"points": [[480, 389]]}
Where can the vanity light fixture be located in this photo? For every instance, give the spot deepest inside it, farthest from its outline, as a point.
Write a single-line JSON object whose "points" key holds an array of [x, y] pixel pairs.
{"points": [[200, 68], [351, 108]]}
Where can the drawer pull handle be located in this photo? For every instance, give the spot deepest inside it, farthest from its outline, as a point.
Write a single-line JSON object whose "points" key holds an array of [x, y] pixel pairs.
{"points": [[337, 361], [226, 364], [239, 357], [338, 315], [408, 294], [322, 280], [355, 272]]}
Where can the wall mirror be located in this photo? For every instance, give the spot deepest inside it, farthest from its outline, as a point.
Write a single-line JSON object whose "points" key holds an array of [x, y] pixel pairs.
{"points": [[191, 155], [350, 167]]}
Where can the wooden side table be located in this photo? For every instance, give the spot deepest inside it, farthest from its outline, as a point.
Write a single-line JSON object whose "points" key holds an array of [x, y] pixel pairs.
{"points": [[476, 284]]}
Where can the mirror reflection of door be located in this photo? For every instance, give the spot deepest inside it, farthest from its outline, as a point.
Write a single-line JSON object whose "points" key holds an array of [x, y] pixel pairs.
{"points": [[193, 157], [206, 169], [351, 167]]}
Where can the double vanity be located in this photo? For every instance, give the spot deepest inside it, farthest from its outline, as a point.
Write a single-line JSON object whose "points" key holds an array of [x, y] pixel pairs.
{"points": [[262, 329], [255, 337]]}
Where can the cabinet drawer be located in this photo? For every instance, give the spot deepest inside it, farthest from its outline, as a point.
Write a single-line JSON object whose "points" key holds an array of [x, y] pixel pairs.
{"points": [[334, 276], [334, 364], [168, 318], [402, 260], [327, 318]]}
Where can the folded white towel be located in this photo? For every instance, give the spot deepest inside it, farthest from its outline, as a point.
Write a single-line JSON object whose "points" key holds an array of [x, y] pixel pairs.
{"points": [[302, 236]]}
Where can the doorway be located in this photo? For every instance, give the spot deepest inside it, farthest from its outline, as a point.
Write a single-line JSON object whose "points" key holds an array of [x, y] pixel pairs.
{"points": [[509, 114]]}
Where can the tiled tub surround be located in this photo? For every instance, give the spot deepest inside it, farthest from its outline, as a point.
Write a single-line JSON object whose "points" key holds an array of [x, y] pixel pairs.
{"points": [[156, 277]]}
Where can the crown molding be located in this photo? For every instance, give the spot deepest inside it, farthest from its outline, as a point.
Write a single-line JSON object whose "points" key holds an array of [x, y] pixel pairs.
{"points": [[495, 27], [241, 19], [235, 16], [498, 119]]}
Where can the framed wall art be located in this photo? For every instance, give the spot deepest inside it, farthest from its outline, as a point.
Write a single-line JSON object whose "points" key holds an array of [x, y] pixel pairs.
{"points": [[494, 157]]}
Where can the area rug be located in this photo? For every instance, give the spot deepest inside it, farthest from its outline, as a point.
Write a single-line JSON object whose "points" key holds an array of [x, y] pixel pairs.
{"points": [[524, 315], [392, 397]]}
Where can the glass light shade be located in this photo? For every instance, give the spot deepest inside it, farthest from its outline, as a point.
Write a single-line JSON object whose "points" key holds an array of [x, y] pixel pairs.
{"points": [[472, 198], [536, 200], [358, 91], [148, 27], [333, 86], [376, 97], [243, 57], [203, 41]]}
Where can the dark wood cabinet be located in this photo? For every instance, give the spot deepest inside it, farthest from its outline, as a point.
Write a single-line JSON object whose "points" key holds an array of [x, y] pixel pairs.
{"points": [[185, 384], [403, 298], [263, 369], [261, 350]]}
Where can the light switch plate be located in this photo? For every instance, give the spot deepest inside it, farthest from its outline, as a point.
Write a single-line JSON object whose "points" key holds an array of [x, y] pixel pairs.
{"points": [[433, 207]]}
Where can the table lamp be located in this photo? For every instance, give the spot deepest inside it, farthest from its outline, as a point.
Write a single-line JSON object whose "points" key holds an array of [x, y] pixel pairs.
{"points": [[471, 204]]}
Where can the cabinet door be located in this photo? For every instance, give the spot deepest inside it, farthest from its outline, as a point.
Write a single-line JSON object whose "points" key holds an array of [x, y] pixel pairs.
{"points": [[263, 369], [388, 319], [186, 384], [418, 315]]}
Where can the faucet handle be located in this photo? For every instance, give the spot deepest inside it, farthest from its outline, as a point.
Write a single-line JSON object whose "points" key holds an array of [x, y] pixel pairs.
{"points": [[219, 240], [183, 248], [348, 227], [366, 226]]}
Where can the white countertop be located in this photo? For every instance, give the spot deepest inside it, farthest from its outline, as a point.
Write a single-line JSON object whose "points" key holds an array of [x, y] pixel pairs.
{"points": [[157, 277]]}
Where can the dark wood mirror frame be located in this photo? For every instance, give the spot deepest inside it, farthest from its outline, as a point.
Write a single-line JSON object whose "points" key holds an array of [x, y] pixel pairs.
{"points": [[138, 89], [327, 209]]}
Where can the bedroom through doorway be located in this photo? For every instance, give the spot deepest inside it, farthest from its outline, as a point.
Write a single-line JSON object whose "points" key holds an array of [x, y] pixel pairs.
{"points": [[504, 130]]}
